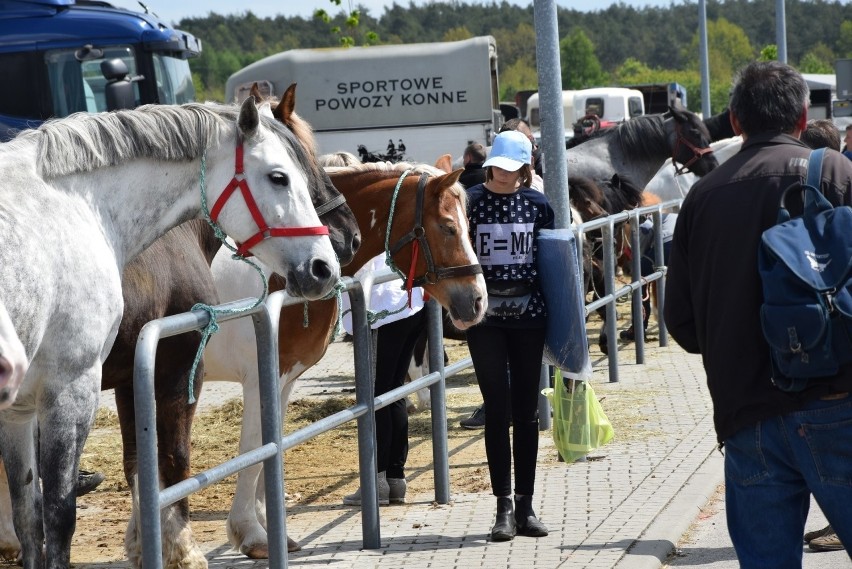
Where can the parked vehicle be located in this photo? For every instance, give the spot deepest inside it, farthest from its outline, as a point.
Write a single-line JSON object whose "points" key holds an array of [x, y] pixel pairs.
{"points": [[86, 55], [658, 97], [410, 101], [533, 115], [614, 104]]}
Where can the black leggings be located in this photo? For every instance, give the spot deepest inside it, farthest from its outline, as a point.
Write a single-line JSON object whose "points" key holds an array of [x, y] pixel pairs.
{"points": [[394, 348], [497, 353]]}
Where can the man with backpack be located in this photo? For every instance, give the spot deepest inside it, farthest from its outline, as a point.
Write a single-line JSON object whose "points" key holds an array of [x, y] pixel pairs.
{"points": [[780, 446]]}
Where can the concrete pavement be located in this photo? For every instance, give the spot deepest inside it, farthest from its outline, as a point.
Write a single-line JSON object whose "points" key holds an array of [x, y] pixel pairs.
{"points": [[626, 507]]}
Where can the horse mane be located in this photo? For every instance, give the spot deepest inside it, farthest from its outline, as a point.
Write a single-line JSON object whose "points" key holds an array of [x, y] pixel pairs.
{"points": [[398, 167], [84, 142], [637, 135], [620, 193]]}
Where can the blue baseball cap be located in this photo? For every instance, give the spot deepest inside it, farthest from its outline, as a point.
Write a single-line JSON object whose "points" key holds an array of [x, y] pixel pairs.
{"points": [[510, 151]]}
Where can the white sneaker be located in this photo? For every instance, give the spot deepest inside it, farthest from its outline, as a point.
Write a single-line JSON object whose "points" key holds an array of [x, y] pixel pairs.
{"points": [[398, 486], [384, 493]]}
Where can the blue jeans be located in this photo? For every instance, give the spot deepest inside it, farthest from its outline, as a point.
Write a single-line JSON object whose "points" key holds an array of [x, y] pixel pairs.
{"points": [[771, 470]]}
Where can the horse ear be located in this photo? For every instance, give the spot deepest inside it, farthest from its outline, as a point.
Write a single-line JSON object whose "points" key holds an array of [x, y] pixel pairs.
{"points": [[255, 91], [677, 113], [286, 107], [452, 177], [444, 163], [249, 118]]}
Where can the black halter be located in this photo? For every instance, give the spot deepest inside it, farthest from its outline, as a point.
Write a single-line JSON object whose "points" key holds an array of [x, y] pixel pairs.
{"points": [[417, 238]]}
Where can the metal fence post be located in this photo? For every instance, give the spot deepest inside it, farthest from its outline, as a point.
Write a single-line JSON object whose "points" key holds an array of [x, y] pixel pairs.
{"points": [[365, 370], [438, 397]]}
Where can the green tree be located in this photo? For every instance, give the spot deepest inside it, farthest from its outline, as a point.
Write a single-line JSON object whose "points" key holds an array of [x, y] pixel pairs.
{"points": [[844, 42], [457, 34], [348, 28], [768, 53], [580, 67], [819, 59], [519, 76]]}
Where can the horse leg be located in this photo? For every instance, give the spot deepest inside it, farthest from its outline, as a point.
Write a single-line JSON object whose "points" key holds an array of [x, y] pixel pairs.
{"points": [[17, 446], [66, 410], [244, 530], [10, 547], [174, 423], [288, 381]]}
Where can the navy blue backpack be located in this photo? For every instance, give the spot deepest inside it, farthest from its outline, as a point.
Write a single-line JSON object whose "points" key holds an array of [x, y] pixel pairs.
{"points": [[806, 268]]}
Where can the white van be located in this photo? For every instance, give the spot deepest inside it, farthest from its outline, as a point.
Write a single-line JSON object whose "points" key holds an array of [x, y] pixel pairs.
{"points": [[412, 101], [534, 114], [614, 104]]}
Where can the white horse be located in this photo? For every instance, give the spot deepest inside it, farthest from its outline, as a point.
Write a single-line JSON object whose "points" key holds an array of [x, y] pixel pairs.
{"points": [[668, 185], [13, 366], [81, 197]]}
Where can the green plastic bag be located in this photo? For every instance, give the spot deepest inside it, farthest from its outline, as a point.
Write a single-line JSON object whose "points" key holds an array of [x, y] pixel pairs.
{"points": [[579, 422]]}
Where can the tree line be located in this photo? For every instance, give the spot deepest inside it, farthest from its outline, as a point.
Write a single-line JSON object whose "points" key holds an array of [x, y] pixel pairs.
{"points": [[617, 45]]}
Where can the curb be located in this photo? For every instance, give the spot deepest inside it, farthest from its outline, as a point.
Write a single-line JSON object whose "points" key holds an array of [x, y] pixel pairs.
{"points": [[661, 537]]}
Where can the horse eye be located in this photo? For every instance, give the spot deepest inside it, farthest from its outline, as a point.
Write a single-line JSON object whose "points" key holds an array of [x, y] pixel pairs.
{"points": [[449, 228], [279, 179]]}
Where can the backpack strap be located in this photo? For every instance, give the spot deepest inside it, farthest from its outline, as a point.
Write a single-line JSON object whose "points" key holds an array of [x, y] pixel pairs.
{"points": [[815, 168], [813, 200]]}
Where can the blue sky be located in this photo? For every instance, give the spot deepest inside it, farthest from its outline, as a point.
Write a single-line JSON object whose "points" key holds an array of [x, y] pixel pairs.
{"points": [[173, 11]]}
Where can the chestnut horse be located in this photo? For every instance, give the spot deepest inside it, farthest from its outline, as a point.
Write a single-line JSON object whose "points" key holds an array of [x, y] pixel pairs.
{"points": [[370, 190]]}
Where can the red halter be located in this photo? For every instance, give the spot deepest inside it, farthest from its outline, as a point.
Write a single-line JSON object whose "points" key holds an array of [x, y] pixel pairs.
{"points": [[239, 181]]}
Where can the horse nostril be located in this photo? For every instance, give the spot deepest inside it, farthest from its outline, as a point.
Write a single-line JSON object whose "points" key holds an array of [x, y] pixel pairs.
{"points": [[321, 270], [356, 242], [478, 306]]}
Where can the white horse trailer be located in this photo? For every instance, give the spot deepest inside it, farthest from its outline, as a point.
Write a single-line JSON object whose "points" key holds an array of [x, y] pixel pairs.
{"points": [[409, 101]]}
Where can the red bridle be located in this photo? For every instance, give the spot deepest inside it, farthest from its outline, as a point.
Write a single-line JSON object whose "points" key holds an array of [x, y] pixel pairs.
{"points": [[265, 232], [697, 153]]}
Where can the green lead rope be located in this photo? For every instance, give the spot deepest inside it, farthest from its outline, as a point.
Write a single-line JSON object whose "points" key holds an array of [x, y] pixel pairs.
{"points": [[213, 326]]}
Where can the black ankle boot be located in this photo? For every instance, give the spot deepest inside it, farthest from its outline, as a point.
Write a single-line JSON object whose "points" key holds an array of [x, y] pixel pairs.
{"points": [[504, 527], [525, 519]]}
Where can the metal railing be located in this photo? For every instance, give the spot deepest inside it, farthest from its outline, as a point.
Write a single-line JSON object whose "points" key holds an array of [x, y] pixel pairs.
{"points": [[266, 322]]}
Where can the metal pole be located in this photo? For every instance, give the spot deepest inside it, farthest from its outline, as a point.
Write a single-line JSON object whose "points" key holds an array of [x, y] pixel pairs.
{"points": [[552, 115], [781, 30], [437, 392], [365, 369], [148, 476], [703, 58], [270, 423]]}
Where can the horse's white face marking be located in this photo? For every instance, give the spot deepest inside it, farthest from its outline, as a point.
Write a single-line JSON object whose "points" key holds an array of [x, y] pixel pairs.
{"points": [[372, 218], [464, 235]]}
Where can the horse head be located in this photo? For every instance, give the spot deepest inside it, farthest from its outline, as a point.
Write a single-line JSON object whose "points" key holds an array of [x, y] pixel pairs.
{"points": [[416, 213], [690, 142], [277, 220], [443, 261], [13, 360], [330, 204]]}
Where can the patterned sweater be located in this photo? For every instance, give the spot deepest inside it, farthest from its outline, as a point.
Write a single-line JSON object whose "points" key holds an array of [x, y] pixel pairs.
{"points": [[504, 229]]}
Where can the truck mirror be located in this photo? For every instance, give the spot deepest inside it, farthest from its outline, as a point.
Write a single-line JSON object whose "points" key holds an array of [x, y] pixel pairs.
{"points": [[119, 87]]}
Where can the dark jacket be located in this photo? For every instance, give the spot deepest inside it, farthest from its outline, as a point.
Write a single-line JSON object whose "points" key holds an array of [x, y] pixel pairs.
{"points": [[713, 289], [473, 174]]}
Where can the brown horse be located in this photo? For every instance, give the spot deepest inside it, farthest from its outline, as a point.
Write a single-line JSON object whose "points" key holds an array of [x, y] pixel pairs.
{"points": [[369, 189]]}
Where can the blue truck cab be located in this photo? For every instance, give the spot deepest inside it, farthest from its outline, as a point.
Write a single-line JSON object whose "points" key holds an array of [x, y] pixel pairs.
{"points": [[59, 57]]}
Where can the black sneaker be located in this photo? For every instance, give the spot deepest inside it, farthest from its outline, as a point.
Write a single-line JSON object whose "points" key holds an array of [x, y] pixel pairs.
{"points": [[476, 420], [88, 481]]}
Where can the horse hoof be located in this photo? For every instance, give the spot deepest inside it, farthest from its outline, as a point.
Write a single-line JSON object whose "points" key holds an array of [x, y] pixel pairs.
{"points": [[256, 551], [292, 545]]}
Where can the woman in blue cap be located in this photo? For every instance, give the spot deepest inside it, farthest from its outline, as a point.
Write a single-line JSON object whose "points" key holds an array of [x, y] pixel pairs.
{"points": [[505, 217]]}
